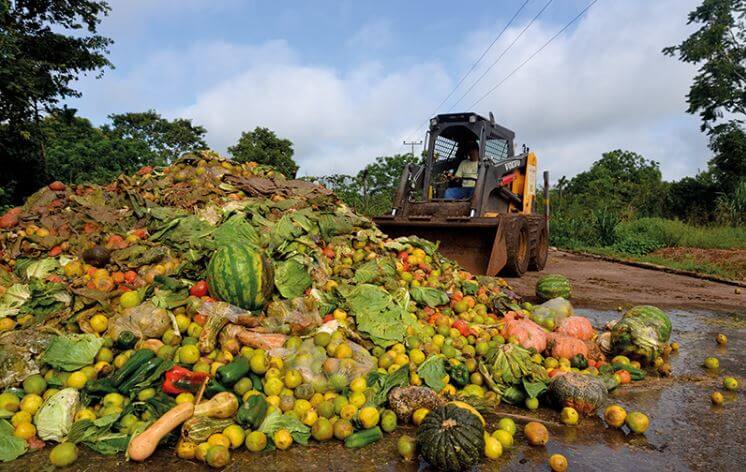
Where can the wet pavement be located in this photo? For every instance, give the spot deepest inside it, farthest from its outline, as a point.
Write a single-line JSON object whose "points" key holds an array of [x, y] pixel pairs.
{"points": [[686, 433]]}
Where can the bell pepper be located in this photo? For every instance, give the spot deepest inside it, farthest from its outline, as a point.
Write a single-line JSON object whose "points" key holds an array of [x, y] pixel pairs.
{"points": [[182, 380]]}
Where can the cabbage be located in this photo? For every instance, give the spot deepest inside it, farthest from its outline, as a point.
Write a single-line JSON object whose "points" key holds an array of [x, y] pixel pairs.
{"points": [[54, 418]]}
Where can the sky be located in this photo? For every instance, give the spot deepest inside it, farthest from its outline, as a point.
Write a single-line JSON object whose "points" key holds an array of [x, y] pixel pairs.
{"points": [[349, 81]]}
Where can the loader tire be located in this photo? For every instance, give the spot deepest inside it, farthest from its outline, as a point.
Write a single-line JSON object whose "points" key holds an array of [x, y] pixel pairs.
{"points": [[540, 250], [517, 245]]}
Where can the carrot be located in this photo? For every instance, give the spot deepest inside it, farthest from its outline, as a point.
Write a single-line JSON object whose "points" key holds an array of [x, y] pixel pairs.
{"points": [[143, 445]]}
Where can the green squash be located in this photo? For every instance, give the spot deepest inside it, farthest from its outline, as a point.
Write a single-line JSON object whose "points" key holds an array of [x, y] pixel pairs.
{"points": [[451, 438], [585, 393], [553, 286]]}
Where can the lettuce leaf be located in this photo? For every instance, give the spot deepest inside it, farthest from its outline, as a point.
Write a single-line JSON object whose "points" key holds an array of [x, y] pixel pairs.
{"points": [[275, 421], [72, 351], [291, 278], [429, 296], [97, 435], [11, 447], [376, 314], [432, 372]]}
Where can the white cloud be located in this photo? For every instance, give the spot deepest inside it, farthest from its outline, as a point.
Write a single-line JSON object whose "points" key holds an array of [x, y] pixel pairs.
{"points": [[374, 35], [602, 85]]}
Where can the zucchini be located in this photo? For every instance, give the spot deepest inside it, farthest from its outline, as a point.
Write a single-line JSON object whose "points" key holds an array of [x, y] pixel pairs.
{"points": [[126, 340], [140, 374], [364, 437], [132, 364], [231, 373]]}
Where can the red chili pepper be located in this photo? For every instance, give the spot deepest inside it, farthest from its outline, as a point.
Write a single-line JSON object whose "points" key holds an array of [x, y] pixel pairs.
{"points": [[199, 289], [182, 380]]}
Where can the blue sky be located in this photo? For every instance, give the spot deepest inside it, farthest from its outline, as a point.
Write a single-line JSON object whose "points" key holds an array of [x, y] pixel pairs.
{"points": [[347, 81]]}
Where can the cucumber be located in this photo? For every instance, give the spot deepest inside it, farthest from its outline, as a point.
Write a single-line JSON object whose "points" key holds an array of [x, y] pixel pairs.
{"points": [[132, 364], [635, 374], [140, 374], [364, 437]]}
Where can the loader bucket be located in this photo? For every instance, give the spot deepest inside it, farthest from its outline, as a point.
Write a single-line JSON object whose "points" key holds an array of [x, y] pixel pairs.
{"points": [[477, 244]]}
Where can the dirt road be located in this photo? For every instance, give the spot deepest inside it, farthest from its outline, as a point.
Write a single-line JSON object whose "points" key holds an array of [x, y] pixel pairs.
{"points": [[601, 284]]}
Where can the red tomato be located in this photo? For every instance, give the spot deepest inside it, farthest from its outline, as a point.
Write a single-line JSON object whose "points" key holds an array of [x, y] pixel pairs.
{"points": [[199, 289], [200, 319], [624, 376], [55, 251], [130, 276], [462, 326]]}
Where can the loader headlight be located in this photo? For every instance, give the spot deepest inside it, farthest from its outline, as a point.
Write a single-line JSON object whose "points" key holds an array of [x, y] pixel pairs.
{"points": [[433, 121], [473, 119]]}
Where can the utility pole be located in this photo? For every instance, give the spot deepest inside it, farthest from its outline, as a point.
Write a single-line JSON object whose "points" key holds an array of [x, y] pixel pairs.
{"points": [[412, 144]]}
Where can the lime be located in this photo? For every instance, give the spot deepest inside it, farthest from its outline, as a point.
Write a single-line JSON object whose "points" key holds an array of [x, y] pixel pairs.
{"points": [[388, 421], [217, 456], [730, 383], [256, 441], [504, 437], [35, 384], [507, 424], [406, 446], [712, 363], [63, 454], [322, 429]]}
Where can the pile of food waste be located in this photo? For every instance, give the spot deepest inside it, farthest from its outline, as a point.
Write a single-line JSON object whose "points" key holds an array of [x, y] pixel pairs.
{"points": [[212, 306]]}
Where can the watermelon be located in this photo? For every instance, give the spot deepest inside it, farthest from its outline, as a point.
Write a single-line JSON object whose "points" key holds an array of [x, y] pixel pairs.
{"points": [[553, 286], [240, 275]]}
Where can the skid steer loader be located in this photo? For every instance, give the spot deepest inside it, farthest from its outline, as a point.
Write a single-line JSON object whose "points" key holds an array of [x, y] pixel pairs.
{"points": [[497, 228]]}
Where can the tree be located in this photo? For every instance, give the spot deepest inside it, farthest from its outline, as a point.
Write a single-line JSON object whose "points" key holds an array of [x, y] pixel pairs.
{"points": [[719, 45], [264, 147], [44, 46], [165, 140], [728, 165], [79, 152]]}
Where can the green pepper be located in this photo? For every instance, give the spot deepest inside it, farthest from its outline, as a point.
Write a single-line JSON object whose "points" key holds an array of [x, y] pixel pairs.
{"points": [[459, 375], [231, 373], [133, 363], [579, 361], [252, 411], [213, 388]]}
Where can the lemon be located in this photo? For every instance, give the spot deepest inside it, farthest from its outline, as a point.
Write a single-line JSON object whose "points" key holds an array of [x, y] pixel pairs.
{"points": [[507, 424], [358, 384], [20, 417], [77, 380], [235, 435], [348, 411], [25, 430], [368, 417], [219, 439], [85, 414], [637, 422], [189, 354], [256, 441], [31, 403], [201, 451], [569, 416], [184, 397], [492, 448], [99, 323], [358, 399], [282, 439]]}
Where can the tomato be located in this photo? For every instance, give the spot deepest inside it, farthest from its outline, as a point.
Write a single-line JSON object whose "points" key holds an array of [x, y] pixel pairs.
{"points": [[130, 276], [55, 251], [199, 289], [624, 376], [463, 327], [328, 252], [89, 228], [200, 319]]}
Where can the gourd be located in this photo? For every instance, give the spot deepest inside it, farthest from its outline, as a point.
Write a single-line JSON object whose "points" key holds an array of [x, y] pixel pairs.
{"points": [[222, 405], [585, 393], [241, 276], [451, 438], [199, 428], [553, 286], [578, 327], [143, 445]]}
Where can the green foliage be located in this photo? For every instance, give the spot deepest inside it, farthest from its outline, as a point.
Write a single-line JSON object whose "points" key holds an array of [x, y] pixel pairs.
{"points": [[44, 46], [719, 48], [263, 146], [165, 140], [371, 191]]}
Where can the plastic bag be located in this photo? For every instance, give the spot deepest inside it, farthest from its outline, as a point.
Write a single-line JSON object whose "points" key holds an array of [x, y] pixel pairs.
{"points": [[298, 316], [18, 353], [552, 312], [528, 333], [144, 321]]}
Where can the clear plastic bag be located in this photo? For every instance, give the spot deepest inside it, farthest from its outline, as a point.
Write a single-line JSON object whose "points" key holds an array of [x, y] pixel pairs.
{"points": [[144, 321], [298, 316], [552, 312]]}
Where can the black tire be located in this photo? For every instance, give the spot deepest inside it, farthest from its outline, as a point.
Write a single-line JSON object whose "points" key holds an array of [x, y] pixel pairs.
{"points": [[540, 252], [517, 245]]}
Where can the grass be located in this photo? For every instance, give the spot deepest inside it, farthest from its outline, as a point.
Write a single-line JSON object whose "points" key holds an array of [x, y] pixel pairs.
{"points": [[688, 264], [673, 233]]}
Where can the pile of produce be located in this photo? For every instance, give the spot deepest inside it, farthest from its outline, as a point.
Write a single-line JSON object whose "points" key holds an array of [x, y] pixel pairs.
{"points": [[210, 306]]}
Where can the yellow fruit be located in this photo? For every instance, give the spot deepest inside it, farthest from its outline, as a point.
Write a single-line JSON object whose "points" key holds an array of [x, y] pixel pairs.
{"points": [[721, 339], [730, 383], [85, 414], [419, 415], [358, 384], [201, 451], [558, 463], [25, 430], [348, 411], [9, 401], [282, 439], [569, 416], [505, 438], [471, 409], [343, 351], [219, 439], [368, 417], [615, 416], [77, 380], [536, 433], [309, 417], [186, 449], [99, 323], [717, 398], [20, 418], [235, 435], [637, 422], [358, 399], [492, 448], [31, 403]]}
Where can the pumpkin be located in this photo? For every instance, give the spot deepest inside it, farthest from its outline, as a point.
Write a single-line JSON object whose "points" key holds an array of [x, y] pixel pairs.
{"points": [[553, 286], [565, 346], [585, 393], [528, 333], [451, 438], [578, 327], [241, 276]]}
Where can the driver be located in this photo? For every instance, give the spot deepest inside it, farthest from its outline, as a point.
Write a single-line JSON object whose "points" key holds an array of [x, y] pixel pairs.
{"points": [[466, 174]]}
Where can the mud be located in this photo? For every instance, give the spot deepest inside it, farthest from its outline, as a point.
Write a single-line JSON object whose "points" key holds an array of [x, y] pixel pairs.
{"points": [[602, 284], [687, 432]]}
